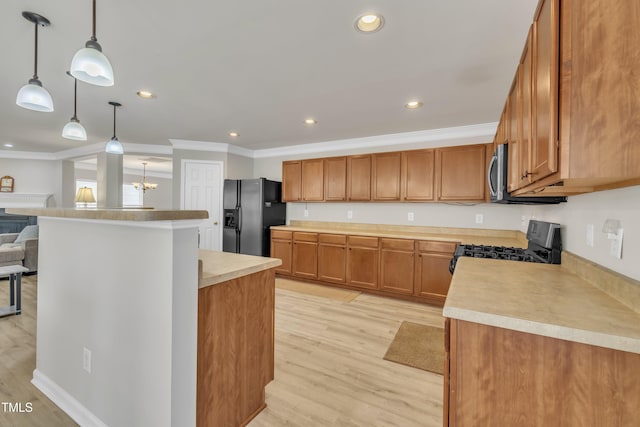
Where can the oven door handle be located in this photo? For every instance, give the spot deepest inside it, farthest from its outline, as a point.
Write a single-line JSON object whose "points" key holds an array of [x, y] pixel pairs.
{"points": [[492, 190]]}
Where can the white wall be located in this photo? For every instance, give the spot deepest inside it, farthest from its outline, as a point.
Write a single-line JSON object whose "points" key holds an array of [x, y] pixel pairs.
{"points": [[35, 176], [594, 208], [133, 307]]}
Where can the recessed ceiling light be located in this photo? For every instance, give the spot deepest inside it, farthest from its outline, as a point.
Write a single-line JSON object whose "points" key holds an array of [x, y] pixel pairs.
{"points": [[234, 134], [8, 145], [413, 104], [310, 121], [369, 23], [145, 94]]}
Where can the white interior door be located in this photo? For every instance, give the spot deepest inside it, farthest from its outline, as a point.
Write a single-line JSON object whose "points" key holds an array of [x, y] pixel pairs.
{"points": [[202, 190]]}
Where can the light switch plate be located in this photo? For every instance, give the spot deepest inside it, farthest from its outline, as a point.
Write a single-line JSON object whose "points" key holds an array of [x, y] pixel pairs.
{"points": [[479, 218], [590, 235], [306, 213], [349, 214], [410, 216]]}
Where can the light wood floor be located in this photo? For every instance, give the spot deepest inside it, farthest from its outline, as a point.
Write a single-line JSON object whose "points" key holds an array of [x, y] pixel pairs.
{"points": [[17, 362], [329, 366]]}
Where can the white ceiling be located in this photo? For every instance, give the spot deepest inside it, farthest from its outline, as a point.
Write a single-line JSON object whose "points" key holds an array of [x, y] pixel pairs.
{"points": [[261, 67]]}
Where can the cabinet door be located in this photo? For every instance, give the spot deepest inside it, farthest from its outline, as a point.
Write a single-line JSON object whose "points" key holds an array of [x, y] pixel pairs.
{"points": [[432, 270], [282, 249], [545, 46], [513, 135], [335, 178], [313, 180], [396, 265], [332, 266], [461, 173], [291, 181], [359, 177], [526, 116], [386, 176], [362, 261], [305, 259], [418, 175]]}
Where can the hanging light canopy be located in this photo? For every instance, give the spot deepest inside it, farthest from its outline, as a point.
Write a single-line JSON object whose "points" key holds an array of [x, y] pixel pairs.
{"points": [[73, 129], [33, 96], [114, 146], [144, 185], [89, 64]]}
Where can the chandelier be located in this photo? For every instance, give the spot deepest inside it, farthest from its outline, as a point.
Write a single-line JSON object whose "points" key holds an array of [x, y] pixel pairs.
{"points": [[144, 185]]}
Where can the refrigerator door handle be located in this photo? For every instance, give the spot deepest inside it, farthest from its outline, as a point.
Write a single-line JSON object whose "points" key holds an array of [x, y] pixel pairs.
{"points": [[239, 219]]}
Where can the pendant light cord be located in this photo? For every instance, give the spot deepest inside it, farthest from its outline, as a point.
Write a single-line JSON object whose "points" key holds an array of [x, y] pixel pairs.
{"points": [[35, 62], [75, 97], [114, 121], [93, 36]]}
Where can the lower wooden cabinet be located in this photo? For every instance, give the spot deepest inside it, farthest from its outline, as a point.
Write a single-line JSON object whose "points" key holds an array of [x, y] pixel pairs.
{"points": [[305, 255], [500, 377], [362, 261], [396, 265], [406, 268], [332, 258], [433, 278], [281, 247]]}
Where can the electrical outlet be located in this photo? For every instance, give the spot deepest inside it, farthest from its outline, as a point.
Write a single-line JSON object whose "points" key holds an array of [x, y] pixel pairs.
{"points": [[616, 245], [479, 218], [306, 213], [410, 216], [86, 360], [590, 235], [349, 214]]}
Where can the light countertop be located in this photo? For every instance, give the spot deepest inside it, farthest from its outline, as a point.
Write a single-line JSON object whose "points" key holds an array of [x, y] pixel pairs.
{"points": [[457, 235], [121, 214], [541, 299], [216, 267]]}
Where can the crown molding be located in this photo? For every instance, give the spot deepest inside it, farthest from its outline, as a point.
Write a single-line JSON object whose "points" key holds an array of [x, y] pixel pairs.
{"points": [[217, 147], [464, 135]]}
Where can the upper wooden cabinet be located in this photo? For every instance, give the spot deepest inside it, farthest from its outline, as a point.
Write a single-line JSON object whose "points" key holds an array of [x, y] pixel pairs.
{"points": [[411, 176], [386, 175], [461, 173], [584, 100], [359, 177], [335, 178], [291, 181], [313, 180], [418, 175]]}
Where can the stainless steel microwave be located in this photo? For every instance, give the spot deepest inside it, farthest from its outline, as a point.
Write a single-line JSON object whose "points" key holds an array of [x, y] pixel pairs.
{"points": [[498, 181]]}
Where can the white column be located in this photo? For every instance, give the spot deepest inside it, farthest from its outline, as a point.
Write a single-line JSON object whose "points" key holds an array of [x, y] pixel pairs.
{"points": [[109, 177]]}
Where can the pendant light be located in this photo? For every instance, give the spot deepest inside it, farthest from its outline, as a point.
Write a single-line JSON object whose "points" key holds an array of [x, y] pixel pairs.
{"points": [[73, 129], [144, 185], [33, 96], [89, 63], [114, 146]]}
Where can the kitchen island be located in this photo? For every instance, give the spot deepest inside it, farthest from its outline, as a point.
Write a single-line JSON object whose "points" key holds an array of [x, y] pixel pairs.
{"points": [[535, 345], [119, 308]]}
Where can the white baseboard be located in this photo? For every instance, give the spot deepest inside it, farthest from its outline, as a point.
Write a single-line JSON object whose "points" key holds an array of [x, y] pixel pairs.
{"points": [[65, 401]]}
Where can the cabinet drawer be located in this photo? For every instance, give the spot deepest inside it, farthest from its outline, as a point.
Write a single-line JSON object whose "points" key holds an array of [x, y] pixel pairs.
{"points": [[333, 239], [281, 234], [301, 236], [430, 246], [401, 244], [365, 242]]}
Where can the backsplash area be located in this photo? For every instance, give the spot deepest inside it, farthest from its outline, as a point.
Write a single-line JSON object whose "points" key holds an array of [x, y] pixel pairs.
{"points": [[593, 209], [575, 215]]}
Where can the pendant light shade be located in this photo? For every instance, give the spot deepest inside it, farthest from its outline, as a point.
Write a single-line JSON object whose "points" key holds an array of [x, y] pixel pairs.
{"points": [[33, 96], [73, 129], [113, 146], [89, 64]]}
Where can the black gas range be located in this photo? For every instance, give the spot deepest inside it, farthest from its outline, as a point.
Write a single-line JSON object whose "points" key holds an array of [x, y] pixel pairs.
{"points": [[544, 245]]}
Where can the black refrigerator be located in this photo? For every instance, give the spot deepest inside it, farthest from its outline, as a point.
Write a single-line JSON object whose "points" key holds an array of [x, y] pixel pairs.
{"points": [[251, 206]]}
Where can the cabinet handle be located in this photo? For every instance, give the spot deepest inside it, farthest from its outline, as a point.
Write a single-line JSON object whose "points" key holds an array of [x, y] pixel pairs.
{"points": [[526, 174]]}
